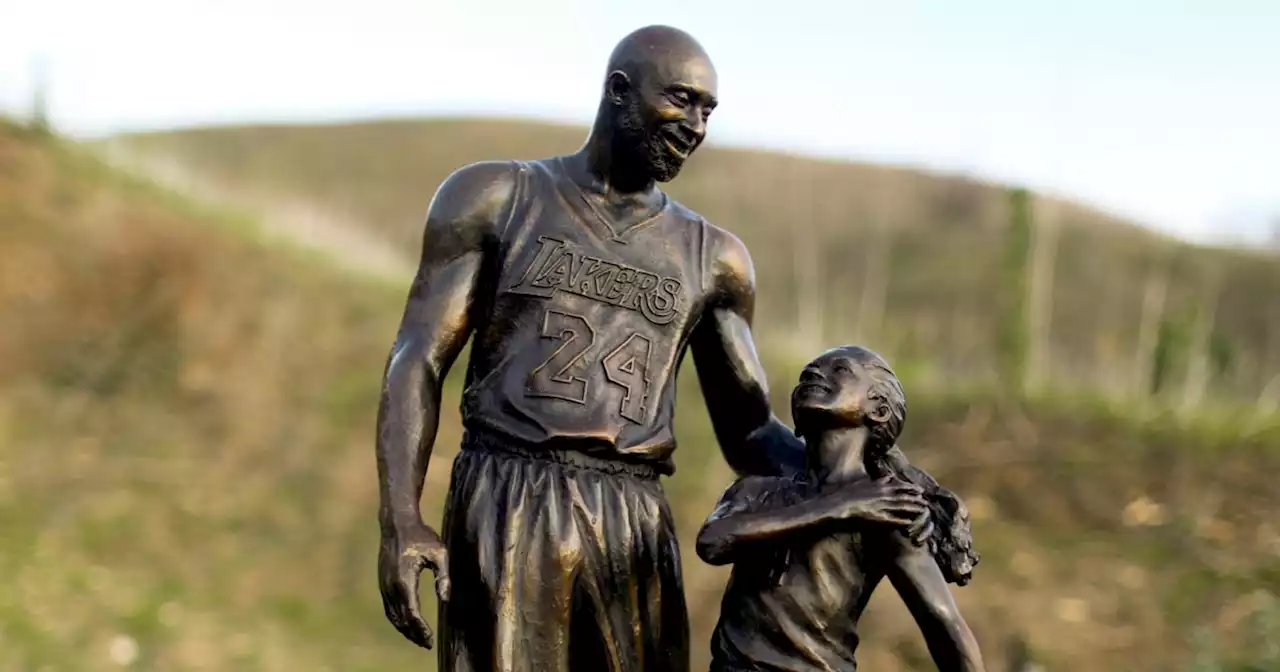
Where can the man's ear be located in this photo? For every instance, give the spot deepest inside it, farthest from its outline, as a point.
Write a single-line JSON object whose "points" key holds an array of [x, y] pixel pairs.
{"points": [[617, 87], [879, 412]]}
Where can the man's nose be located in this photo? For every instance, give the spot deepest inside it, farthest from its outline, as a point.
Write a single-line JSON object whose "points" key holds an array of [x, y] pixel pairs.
{"points": [[694, 124]]}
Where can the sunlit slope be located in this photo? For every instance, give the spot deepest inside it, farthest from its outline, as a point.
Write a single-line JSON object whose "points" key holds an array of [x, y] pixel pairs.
{"points": [[186, 473], [914, 263], [187, 479]]}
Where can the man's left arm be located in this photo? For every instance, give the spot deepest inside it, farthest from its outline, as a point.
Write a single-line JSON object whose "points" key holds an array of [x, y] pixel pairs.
{"points": [[754, 441]]}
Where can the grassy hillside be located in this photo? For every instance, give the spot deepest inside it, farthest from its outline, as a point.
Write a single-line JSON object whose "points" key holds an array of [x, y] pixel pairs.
{"points": [[912, 262], [187, 482], [185, 469]]}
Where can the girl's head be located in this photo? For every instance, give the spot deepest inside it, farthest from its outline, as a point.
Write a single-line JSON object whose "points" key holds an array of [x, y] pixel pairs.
{"points": [[850, 386]]}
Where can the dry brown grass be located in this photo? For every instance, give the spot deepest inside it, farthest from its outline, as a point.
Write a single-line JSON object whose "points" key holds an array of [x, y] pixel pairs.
{"points": [[186, 462], [813, 229]]}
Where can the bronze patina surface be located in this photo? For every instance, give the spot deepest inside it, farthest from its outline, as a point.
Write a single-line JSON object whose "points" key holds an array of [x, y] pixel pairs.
{"points": [[807, 553], [582, 285]]}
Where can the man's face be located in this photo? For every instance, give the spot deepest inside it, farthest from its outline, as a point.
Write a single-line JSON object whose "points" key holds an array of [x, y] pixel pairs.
{"points": [[833, 391], [664, 117]]}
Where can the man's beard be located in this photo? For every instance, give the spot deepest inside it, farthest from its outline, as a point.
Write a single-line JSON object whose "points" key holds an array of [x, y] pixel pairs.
{"points": [[644, 150]]}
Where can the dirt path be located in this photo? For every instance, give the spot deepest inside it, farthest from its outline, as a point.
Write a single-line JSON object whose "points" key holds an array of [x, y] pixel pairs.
{"points": [[345, 241]]}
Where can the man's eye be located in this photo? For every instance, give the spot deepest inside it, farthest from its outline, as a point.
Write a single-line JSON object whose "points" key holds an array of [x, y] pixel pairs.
{"points": [[679, 98]]}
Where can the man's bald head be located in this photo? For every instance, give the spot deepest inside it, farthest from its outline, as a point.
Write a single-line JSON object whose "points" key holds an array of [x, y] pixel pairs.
{"points": [[661, 51], [659, 91]]}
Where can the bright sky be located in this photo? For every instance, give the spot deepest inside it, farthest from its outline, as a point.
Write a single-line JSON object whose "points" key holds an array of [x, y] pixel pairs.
{"points": [[1163, 110]]}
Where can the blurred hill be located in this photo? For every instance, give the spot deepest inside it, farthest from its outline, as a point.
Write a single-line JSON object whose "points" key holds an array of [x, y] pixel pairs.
{"points": [[915, 264], [187, 477]]}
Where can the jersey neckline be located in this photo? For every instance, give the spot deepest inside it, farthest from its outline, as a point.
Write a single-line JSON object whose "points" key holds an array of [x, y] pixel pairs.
{"points": [[600, 217]]}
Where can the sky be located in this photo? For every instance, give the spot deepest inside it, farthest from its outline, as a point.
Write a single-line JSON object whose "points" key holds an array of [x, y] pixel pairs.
{"points": [[1167, 112]]}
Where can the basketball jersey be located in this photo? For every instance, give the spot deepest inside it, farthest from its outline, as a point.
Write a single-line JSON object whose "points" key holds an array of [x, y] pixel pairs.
{"points": [[586, 327]]}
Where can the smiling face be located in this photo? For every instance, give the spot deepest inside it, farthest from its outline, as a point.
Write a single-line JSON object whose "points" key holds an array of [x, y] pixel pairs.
{"points": [[663, 95], [849, 387]]}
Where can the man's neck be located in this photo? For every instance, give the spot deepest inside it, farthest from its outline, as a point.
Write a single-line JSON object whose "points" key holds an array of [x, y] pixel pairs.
{"points": [[837, 454], [605, 169]]}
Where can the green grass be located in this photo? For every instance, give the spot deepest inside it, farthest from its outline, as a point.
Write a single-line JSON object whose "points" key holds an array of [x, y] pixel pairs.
{"points": [[186, 459]]}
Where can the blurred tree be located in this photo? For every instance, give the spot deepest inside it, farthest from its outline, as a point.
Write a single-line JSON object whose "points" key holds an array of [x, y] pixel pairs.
{"points": [[807, 263], [1199, 365], [39, 96], [1169, 351], [1222, 355], [875, 280], [1151, 327], [1044, 252], [1012, 324]]}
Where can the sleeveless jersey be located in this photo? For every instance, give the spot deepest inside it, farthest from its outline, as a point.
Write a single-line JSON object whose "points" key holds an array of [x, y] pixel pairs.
{"points": [[585, 328]]}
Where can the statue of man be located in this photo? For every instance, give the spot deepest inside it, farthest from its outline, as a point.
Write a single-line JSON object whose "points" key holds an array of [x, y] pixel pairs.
{"points": [[582, 285]]}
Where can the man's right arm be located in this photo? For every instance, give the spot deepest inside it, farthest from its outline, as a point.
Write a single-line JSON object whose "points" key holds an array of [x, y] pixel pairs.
{"points": [[461, 230]]}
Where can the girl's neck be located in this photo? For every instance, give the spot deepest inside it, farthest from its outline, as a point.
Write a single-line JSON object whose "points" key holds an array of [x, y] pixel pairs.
{"points": [[837, 454]]}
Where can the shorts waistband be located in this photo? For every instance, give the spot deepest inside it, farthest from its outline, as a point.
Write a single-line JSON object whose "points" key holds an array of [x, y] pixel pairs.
{"points": [[482, 441]]}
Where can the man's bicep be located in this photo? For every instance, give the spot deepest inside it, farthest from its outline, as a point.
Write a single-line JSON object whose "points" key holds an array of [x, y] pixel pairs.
{"points": [[723, 348], [724, 354], [460, 230], [438, 312], [730, 373]]}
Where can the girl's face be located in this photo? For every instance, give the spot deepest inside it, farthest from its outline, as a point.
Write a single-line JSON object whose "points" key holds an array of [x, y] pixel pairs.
{"points": [[835, 390]]}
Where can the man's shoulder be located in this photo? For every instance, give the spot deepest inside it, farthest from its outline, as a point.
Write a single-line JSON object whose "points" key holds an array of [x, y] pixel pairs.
{"points": [[717, 237], [727, 259], [477, 191], [721, 243], [485, 174]]}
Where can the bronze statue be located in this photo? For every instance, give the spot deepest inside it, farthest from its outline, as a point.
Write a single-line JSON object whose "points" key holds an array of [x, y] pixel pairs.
{"points": [[806, 558], [582, 285]]}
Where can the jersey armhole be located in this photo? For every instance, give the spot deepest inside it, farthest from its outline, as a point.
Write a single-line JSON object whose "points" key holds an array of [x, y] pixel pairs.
{"points": [[517, 197], [704, 265]]}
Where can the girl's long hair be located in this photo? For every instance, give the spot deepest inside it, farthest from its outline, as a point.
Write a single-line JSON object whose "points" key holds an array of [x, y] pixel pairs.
{"points": [[951, 542]]}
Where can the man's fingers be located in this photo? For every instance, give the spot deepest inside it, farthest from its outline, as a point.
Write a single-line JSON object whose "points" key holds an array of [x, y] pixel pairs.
{"points": [[417, 629], [410, 623], [437, 559], [401, 609], [443, 585]]}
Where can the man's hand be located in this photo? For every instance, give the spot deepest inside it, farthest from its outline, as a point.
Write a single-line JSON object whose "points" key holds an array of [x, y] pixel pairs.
{"points": [[403, 555], [889, 501]]}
